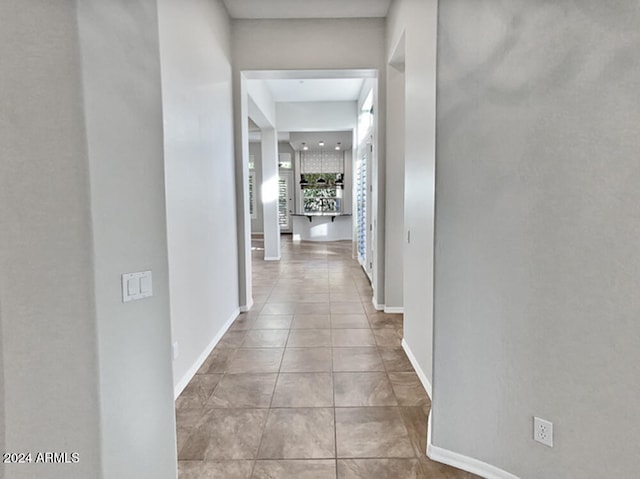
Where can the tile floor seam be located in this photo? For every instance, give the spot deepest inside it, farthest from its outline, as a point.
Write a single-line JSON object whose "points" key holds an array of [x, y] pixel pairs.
{"points": [[333, 384], [266, 421], [335, 418], [341, 281]]}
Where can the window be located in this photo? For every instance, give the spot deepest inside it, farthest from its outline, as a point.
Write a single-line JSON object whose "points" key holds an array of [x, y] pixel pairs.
{"points": [[283, 203], [322, 181], [361, 208], [321, 195]]}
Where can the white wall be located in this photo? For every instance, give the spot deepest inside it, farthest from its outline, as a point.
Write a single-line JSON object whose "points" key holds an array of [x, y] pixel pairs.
{"points": [[2, 396], [286, 44], [347, 192], [316, 116], [82, 202], [417, 20], [262, 110], [199, 163], [47, 308], [394, 197], [123, 115], [537, 230], [322, 228]]}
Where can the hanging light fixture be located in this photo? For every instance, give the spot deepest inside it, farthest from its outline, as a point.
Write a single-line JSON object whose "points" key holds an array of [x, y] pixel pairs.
{"points": [[321, 143], [304, 146], [303, 181], [338, 146]]}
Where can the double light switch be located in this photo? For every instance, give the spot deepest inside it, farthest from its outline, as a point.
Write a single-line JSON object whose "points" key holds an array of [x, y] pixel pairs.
{"points": [[136, 286]]}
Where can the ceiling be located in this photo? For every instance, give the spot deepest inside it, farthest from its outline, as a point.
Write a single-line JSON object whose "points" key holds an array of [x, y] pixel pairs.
{"points": [[330, 139], [310, 86], [316, 89], [310, 90], [262, 9]]}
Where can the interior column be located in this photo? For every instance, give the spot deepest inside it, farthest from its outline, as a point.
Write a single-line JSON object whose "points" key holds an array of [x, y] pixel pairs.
{"points": [[270, 194]]}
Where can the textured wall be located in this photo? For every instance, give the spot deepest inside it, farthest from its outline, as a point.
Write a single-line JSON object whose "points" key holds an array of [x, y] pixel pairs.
{"points": [[537, 226], [48, 318], [123, 118], [2, 399]]}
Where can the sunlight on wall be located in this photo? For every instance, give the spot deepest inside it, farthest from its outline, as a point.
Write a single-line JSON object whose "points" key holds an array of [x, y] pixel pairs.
{"points": [[320, 231], [270, 190]]}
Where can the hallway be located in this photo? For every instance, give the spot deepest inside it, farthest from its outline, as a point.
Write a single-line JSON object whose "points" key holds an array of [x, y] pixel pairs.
{"points": [[312, 383]]}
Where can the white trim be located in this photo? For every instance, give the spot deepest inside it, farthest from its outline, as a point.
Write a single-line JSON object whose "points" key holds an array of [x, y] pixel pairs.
{"points": [[247, 308], [272, 258], [430, 446], [414, 362], [177, 390], [465, 463], [394, 309], [379, 307]]}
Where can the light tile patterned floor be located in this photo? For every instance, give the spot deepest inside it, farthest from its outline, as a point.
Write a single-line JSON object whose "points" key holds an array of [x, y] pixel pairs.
{"points": [[312, 383]]}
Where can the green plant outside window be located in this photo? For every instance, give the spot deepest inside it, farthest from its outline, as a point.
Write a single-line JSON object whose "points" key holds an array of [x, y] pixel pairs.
{"points": [[320, 195]]}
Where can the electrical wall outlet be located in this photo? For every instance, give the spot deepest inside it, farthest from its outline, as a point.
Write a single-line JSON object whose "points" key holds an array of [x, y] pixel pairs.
{"points": [[543, 431]]}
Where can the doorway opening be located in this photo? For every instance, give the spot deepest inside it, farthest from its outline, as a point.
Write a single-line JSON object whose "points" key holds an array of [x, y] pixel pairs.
{"points": [[313, 174]]}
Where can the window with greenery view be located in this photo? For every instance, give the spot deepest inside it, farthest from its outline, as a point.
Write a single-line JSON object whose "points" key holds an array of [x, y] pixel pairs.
{"points": [[321, 195]]}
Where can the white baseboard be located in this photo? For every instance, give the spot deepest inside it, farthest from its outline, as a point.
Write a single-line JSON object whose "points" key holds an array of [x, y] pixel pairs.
{"points": [[379, 307], [247, 308], [394, 309], [414, 362], [465, 463], [177, 390], [272, 258]]}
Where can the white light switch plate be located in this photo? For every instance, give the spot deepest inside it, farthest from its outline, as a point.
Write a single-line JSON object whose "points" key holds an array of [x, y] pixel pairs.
{"points": [[137, 286]]}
